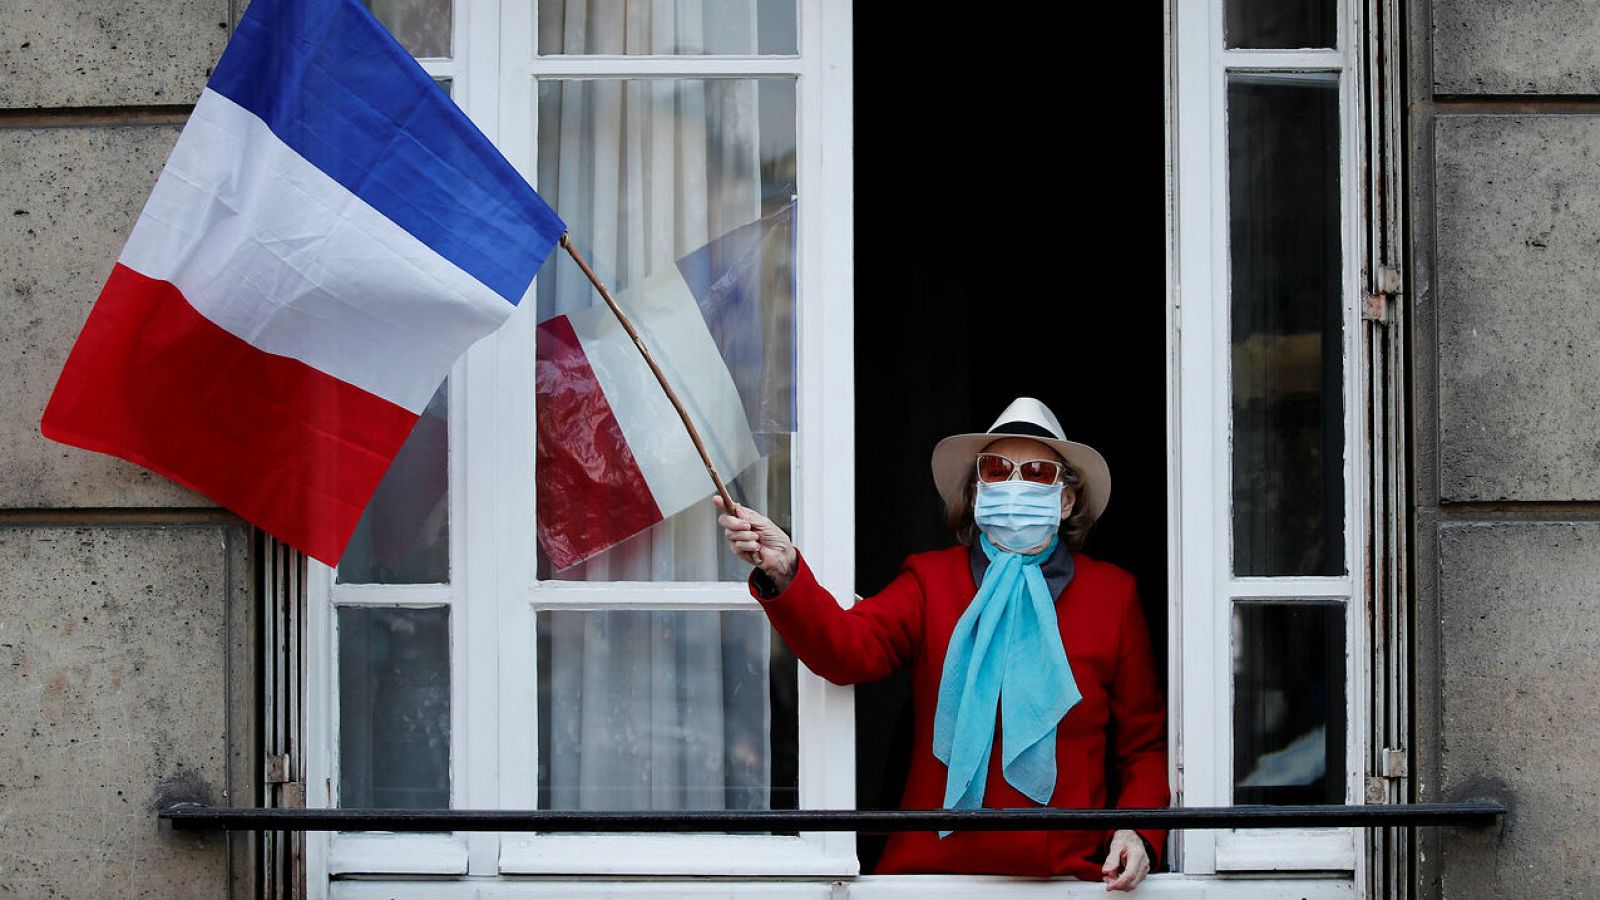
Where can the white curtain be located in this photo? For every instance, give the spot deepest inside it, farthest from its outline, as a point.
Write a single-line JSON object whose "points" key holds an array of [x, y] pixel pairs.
{"points": [[651, 710]]}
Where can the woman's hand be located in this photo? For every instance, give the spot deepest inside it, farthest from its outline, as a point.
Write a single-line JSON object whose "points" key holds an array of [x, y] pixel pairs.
{"points": [[756, 540], [1126, 862]]}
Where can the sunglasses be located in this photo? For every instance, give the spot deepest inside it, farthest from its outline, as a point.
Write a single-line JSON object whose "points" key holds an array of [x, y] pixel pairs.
{"points": [[992, 468]]}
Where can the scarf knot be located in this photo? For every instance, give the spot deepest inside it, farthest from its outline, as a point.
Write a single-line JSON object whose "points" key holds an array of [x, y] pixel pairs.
{"points": [[1005, 654]]}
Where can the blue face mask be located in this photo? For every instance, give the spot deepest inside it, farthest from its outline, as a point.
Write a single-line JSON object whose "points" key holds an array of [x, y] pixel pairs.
{"points": [[1018, 515]]}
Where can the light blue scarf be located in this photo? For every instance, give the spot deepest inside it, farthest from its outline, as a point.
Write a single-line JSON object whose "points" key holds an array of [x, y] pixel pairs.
{"points": [[1005, 652]]}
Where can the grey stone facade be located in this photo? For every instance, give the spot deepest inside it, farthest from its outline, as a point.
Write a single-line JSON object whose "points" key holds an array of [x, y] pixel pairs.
{"points": [[125, 602], [1504, 141], [126, 620]]}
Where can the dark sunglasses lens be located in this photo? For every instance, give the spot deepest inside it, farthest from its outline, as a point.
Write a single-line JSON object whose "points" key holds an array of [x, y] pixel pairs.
{"points": [[1040, 471], [993, 468]]}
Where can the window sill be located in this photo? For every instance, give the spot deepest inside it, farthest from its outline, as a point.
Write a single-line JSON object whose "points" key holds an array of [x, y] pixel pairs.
{"points": [[871, 887], [671, 856]]}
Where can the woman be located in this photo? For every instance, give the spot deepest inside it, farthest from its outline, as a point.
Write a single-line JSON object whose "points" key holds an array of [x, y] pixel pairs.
{"points": [[1032, 677]]}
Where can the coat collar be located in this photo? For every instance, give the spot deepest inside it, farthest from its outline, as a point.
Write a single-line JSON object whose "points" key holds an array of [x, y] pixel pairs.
{"points": [[1057, 570]]}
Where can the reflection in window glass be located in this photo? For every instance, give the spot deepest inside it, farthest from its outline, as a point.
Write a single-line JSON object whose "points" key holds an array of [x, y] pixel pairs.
{"points": [[667, 27], [421, 26], [1287, 331], [403, 537], [665, 710], [394, 708], [1281, 24], [1288, 703], [681, 193]]}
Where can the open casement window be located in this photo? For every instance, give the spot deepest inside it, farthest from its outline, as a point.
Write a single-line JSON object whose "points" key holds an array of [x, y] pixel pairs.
{"points": [[452, 662], [1290, 513]]}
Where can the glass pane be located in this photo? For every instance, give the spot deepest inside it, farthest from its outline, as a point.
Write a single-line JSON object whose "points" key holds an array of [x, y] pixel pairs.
{"points": [[421, 26], [681, 194], [404, 535], [1282, 24], [667, 27], [1288, 703], [1287, 333], [665, 710], [394, 708]]}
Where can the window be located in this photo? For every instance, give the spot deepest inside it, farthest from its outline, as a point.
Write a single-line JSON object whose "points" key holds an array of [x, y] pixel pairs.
{"points": [[453, 661], [1269, 389]]}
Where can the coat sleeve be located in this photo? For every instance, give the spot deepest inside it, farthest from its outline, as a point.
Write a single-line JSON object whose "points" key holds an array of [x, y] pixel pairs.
{"points": [[847, 646], [1139, 723]]}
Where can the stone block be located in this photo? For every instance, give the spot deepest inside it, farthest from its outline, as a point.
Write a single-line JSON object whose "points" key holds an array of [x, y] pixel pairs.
{"points": [[70, 198], [1501, 47], [1519, 608], [1518, 276], [123, 53], [113, 699]]}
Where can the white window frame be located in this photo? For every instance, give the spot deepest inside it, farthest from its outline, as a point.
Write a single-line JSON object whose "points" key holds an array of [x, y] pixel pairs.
{"points": [[1202, 607], [492, 71], [493, 594]]}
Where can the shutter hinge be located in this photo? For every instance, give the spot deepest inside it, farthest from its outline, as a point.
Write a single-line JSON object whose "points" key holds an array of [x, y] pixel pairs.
{"points": [[1392, 767], [291, 794], [1376, 307], [1394, 763], [278, 769]]}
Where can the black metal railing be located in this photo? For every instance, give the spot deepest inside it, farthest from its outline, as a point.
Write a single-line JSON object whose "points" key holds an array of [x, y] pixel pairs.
{"points": [[1472, 814]]}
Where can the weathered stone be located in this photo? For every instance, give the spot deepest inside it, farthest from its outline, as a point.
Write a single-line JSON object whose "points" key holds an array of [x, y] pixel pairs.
{"points": [[1518, 231], [67, 204], [1519, 640], [113, 651], [1501, 47], [122, 53]]}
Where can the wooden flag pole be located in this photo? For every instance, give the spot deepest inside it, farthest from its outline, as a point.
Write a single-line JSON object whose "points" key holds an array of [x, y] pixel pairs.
{"points": [[694, 434]]}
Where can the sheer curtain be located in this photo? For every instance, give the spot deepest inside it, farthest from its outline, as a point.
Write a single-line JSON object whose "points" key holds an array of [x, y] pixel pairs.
{"points": [[649, 709]]}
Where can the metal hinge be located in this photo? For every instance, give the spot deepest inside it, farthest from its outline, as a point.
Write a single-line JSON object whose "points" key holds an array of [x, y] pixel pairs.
{"points": [[1394, 763], [291, 793], [1376, 307], [278, 769], [1392, 767]]}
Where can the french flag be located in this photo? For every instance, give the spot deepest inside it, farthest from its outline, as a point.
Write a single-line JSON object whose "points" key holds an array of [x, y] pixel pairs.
{"points": [[328, 237], [613, 457]]}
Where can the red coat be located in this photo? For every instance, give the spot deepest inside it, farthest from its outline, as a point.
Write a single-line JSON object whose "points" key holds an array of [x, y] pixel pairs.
{"points": [[1118, 726]]}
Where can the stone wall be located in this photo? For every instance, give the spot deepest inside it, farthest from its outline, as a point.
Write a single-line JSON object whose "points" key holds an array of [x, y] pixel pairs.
{"points": [[126, 621], [1505, 190]]}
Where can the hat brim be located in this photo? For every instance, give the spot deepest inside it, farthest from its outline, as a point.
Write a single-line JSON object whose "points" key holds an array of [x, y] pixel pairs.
{"points": [[953, 459]]}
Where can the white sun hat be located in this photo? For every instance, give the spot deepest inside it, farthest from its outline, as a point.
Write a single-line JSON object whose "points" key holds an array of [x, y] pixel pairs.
{"points": [[955, 456]]}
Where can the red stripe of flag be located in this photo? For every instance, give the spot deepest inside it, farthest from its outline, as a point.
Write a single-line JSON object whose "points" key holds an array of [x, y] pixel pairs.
{"points": [[288, 447], [591, 491]]}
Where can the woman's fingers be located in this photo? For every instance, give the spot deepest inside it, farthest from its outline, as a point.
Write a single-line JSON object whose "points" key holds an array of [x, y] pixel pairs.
{"points": [[757, 540], [1126, 862], [1113, 864]]}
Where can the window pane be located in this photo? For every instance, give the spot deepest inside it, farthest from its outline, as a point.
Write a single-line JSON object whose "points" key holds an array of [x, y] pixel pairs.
{"points": [[1282, 24], [1288, 703], [394, 708], [681, 194], [665, 710], [421, 26], [1287, 333], [667, 27], [404, 535]]}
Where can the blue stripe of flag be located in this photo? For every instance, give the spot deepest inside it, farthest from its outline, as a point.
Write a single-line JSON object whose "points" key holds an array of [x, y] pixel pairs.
{"points": [[725, 277], [335, 87]]}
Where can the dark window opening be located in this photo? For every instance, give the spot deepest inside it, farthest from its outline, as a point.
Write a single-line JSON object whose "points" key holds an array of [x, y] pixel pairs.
{"points": [[1010, 240]]}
